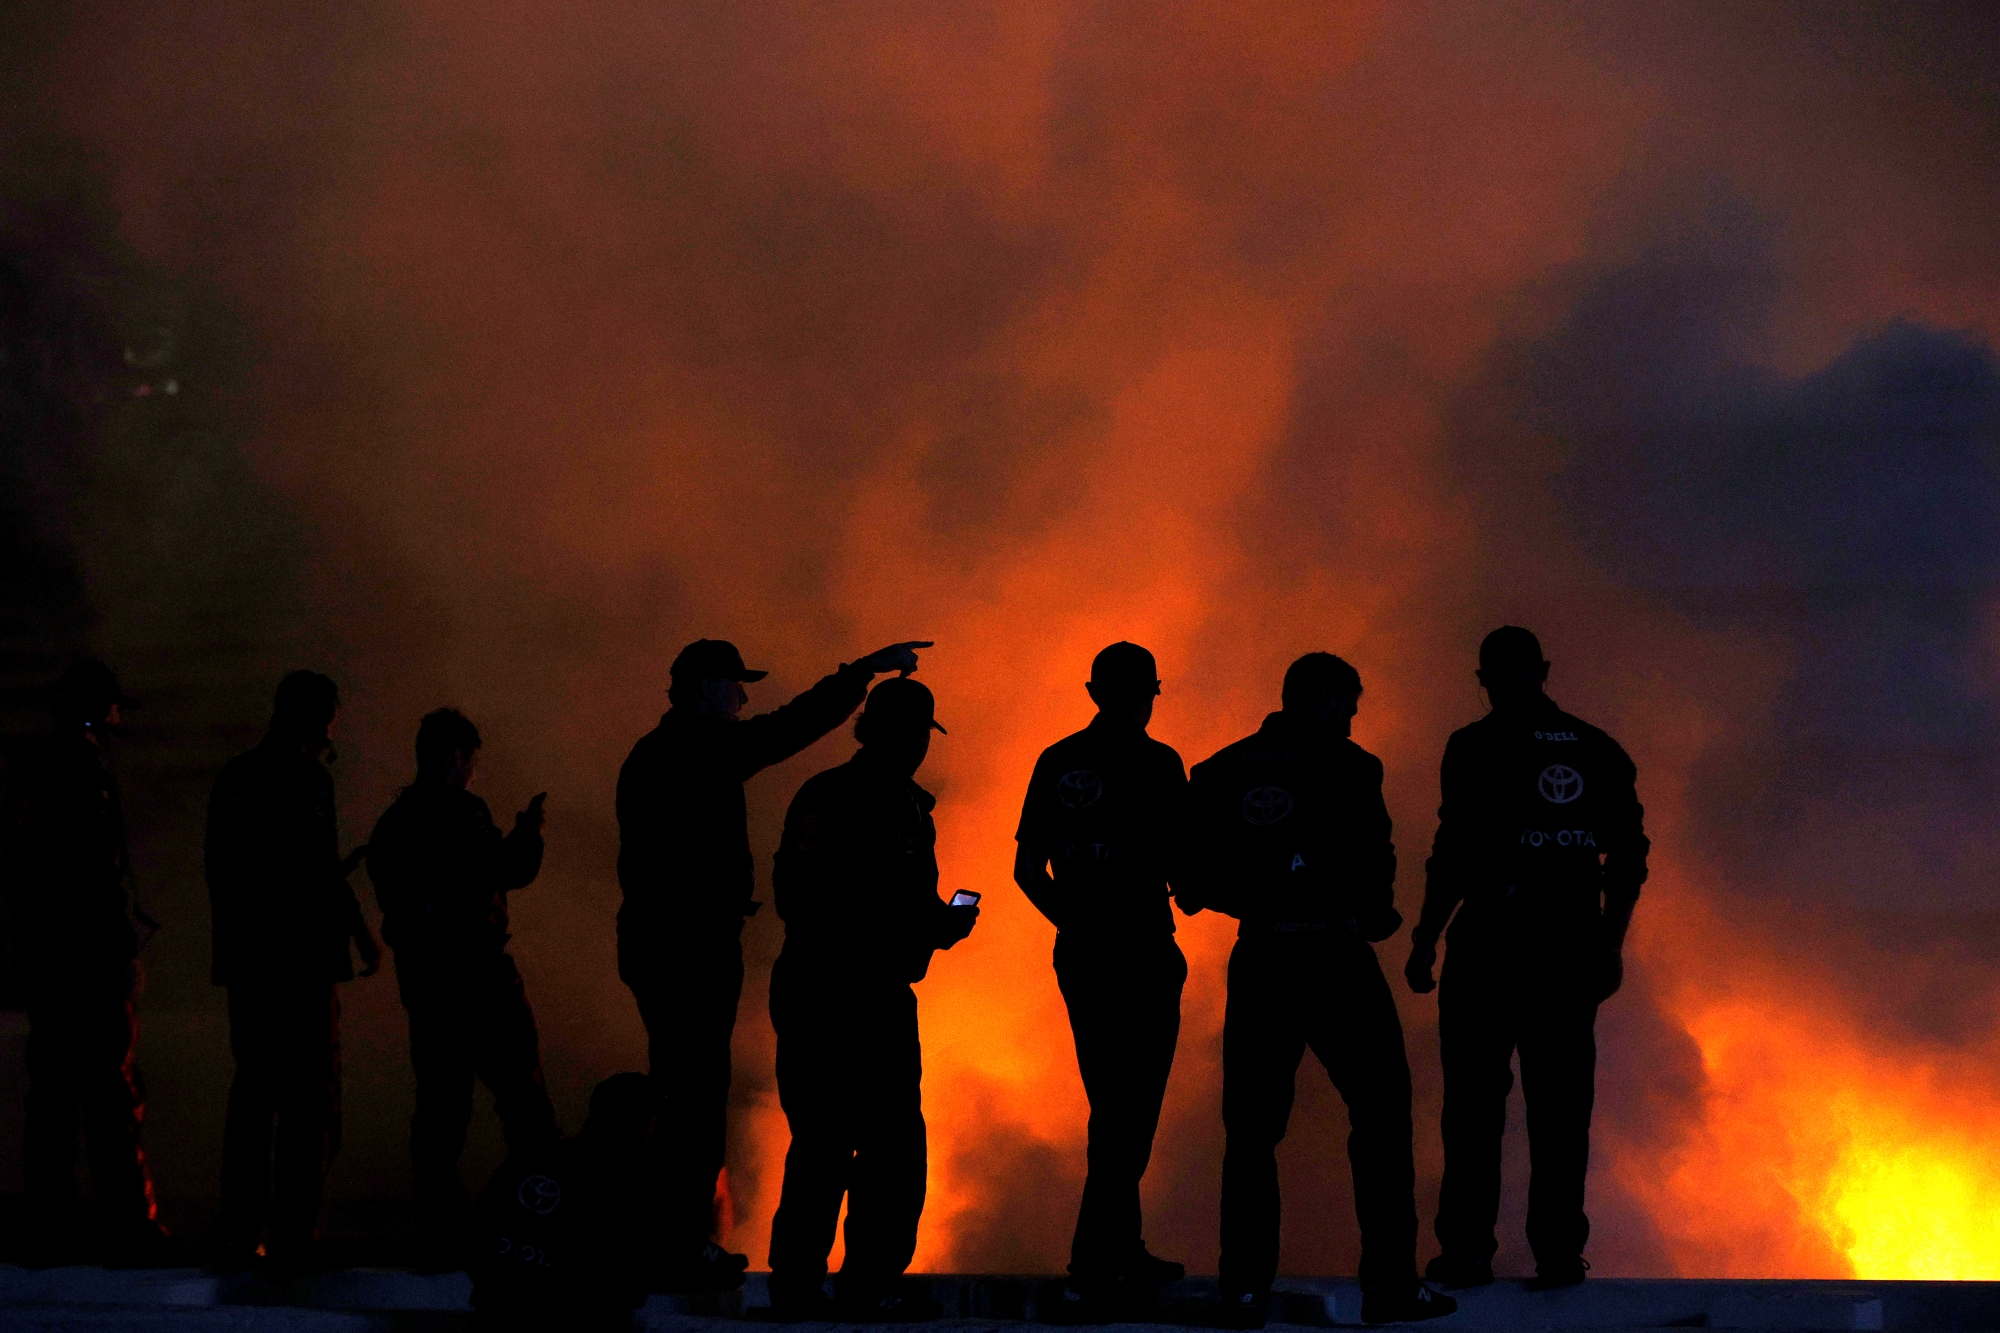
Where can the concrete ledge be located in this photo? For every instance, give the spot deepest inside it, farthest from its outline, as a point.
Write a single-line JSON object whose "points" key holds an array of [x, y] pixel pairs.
{"points": [[363, 1300]]}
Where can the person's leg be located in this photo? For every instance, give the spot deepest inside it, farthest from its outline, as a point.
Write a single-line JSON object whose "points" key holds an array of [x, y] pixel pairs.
{"points": [[1558, 1083], [1124, 1007], [1476, 1048], [52, 1123], [812, 1089], [441, 1057], [885, 1198], [308, 1131], [508, 1055], [1261, 1049], [688, 996], [1357, 1035], [114, 1109], [255, 1038]]}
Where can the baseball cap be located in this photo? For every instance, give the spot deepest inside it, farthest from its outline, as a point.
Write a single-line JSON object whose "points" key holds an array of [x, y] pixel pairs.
{"points": [[900, 701], [713, 659], [1125, 666]]}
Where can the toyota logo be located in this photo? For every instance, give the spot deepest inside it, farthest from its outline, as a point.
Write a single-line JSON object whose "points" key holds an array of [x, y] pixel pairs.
{"points": [[1266, 805], [540, 1195], [1560, 784], [1079, 790]]}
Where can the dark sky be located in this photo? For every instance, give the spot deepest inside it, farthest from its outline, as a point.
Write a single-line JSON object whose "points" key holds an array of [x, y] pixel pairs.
{"points": [[511, 349]]}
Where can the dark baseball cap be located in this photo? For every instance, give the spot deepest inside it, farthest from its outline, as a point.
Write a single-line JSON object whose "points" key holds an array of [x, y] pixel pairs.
{"points": [[900, 701], [90, 686], [1125, 667], [713, 659]]}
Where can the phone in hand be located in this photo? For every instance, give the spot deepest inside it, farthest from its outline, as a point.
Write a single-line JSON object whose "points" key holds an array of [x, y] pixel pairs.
{"points": [[965, 898]]}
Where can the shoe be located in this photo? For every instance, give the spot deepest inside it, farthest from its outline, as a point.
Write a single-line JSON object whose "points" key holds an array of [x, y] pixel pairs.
{"points": [[1405, 1305], [1151, 1272], [711, 1268], [1458, 1274], [799, 1305], [1244, 1309], [1554, 1277], [900, 1306]]}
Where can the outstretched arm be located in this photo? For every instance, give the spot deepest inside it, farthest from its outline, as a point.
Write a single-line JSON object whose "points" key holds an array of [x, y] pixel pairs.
{"points": [[772, 737]]}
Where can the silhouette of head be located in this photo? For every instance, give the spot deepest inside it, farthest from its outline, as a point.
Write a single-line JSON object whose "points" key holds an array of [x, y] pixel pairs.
{"points": [[708, 678], [1511, 666], [1323, 689], [303, 710], [447, 746], [1124, 680], [87, 694], [621, 1111], [895, 725]]}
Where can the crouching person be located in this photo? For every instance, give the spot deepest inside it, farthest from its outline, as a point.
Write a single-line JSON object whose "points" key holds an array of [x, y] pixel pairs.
{"points": [[856, 883], [562, 1228]]}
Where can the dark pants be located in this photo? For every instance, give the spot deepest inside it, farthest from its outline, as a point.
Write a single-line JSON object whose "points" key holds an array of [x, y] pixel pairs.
{"points": [[850, 1076], [466, 1025], [1323, 990], [82, 1074], [283, 1127], [1124, 998], [1488, 1009], [687, 986]]}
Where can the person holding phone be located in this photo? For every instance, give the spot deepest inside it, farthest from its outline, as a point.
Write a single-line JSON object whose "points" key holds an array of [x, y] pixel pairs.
{"points": [[1096, 856], [442, 874], [856, 879], [1292, 840]]}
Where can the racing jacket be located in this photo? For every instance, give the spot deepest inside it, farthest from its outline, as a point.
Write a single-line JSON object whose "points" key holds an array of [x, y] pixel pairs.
{"points": [[1291, 833], [1539, 831]]}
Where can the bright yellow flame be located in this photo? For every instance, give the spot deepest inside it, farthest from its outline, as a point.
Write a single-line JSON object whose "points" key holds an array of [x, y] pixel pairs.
{"points": [[1884, 1157]]}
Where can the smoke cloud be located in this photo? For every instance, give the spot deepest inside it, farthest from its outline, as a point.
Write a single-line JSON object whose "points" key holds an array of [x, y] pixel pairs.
{"points": [[512, 349]]}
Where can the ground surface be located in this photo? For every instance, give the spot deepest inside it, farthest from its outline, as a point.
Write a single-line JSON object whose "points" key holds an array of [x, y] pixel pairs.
{"points": [[367, 1300]]}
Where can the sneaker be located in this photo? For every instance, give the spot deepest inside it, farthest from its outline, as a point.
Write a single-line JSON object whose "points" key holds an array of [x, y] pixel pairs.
{"points": [[711, 1268], [1152, 1272], [901, 1306], [1405, 1305], [1555, 1276], [1457, 1274], [1243, 1309]]}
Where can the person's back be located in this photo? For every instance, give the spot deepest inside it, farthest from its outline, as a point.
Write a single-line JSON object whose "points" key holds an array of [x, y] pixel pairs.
{"points": [[442, 873], [67, 868], [273, 867], [1292, 839], [1537, 864]]}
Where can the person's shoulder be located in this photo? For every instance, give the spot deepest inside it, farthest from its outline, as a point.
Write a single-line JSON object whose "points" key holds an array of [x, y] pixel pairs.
{"points": [[925, 801], [1233, 753], [1592, 735], [1070, 747], [1159, 752], [1350, 755], [825, 786]]}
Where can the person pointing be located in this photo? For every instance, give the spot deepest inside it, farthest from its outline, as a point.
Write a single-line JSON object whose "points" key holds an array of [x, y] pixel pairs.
{"points": [[686, 870]]}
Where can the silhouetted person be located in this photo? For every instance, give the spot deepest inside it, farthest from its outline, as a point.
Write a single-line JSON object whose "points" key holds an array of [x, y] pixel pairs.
{"points": [[442, 874], [1295, 843], [562, 1230], [685, 866], [1097, 852], [285, 923], [77, 936], [856, 879], [1540, 850]]}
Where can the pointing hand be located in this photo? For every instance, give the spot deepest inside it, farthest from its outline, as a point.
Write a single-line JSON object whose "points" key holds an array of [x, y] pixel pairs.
{"points": [[898, 657]]}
